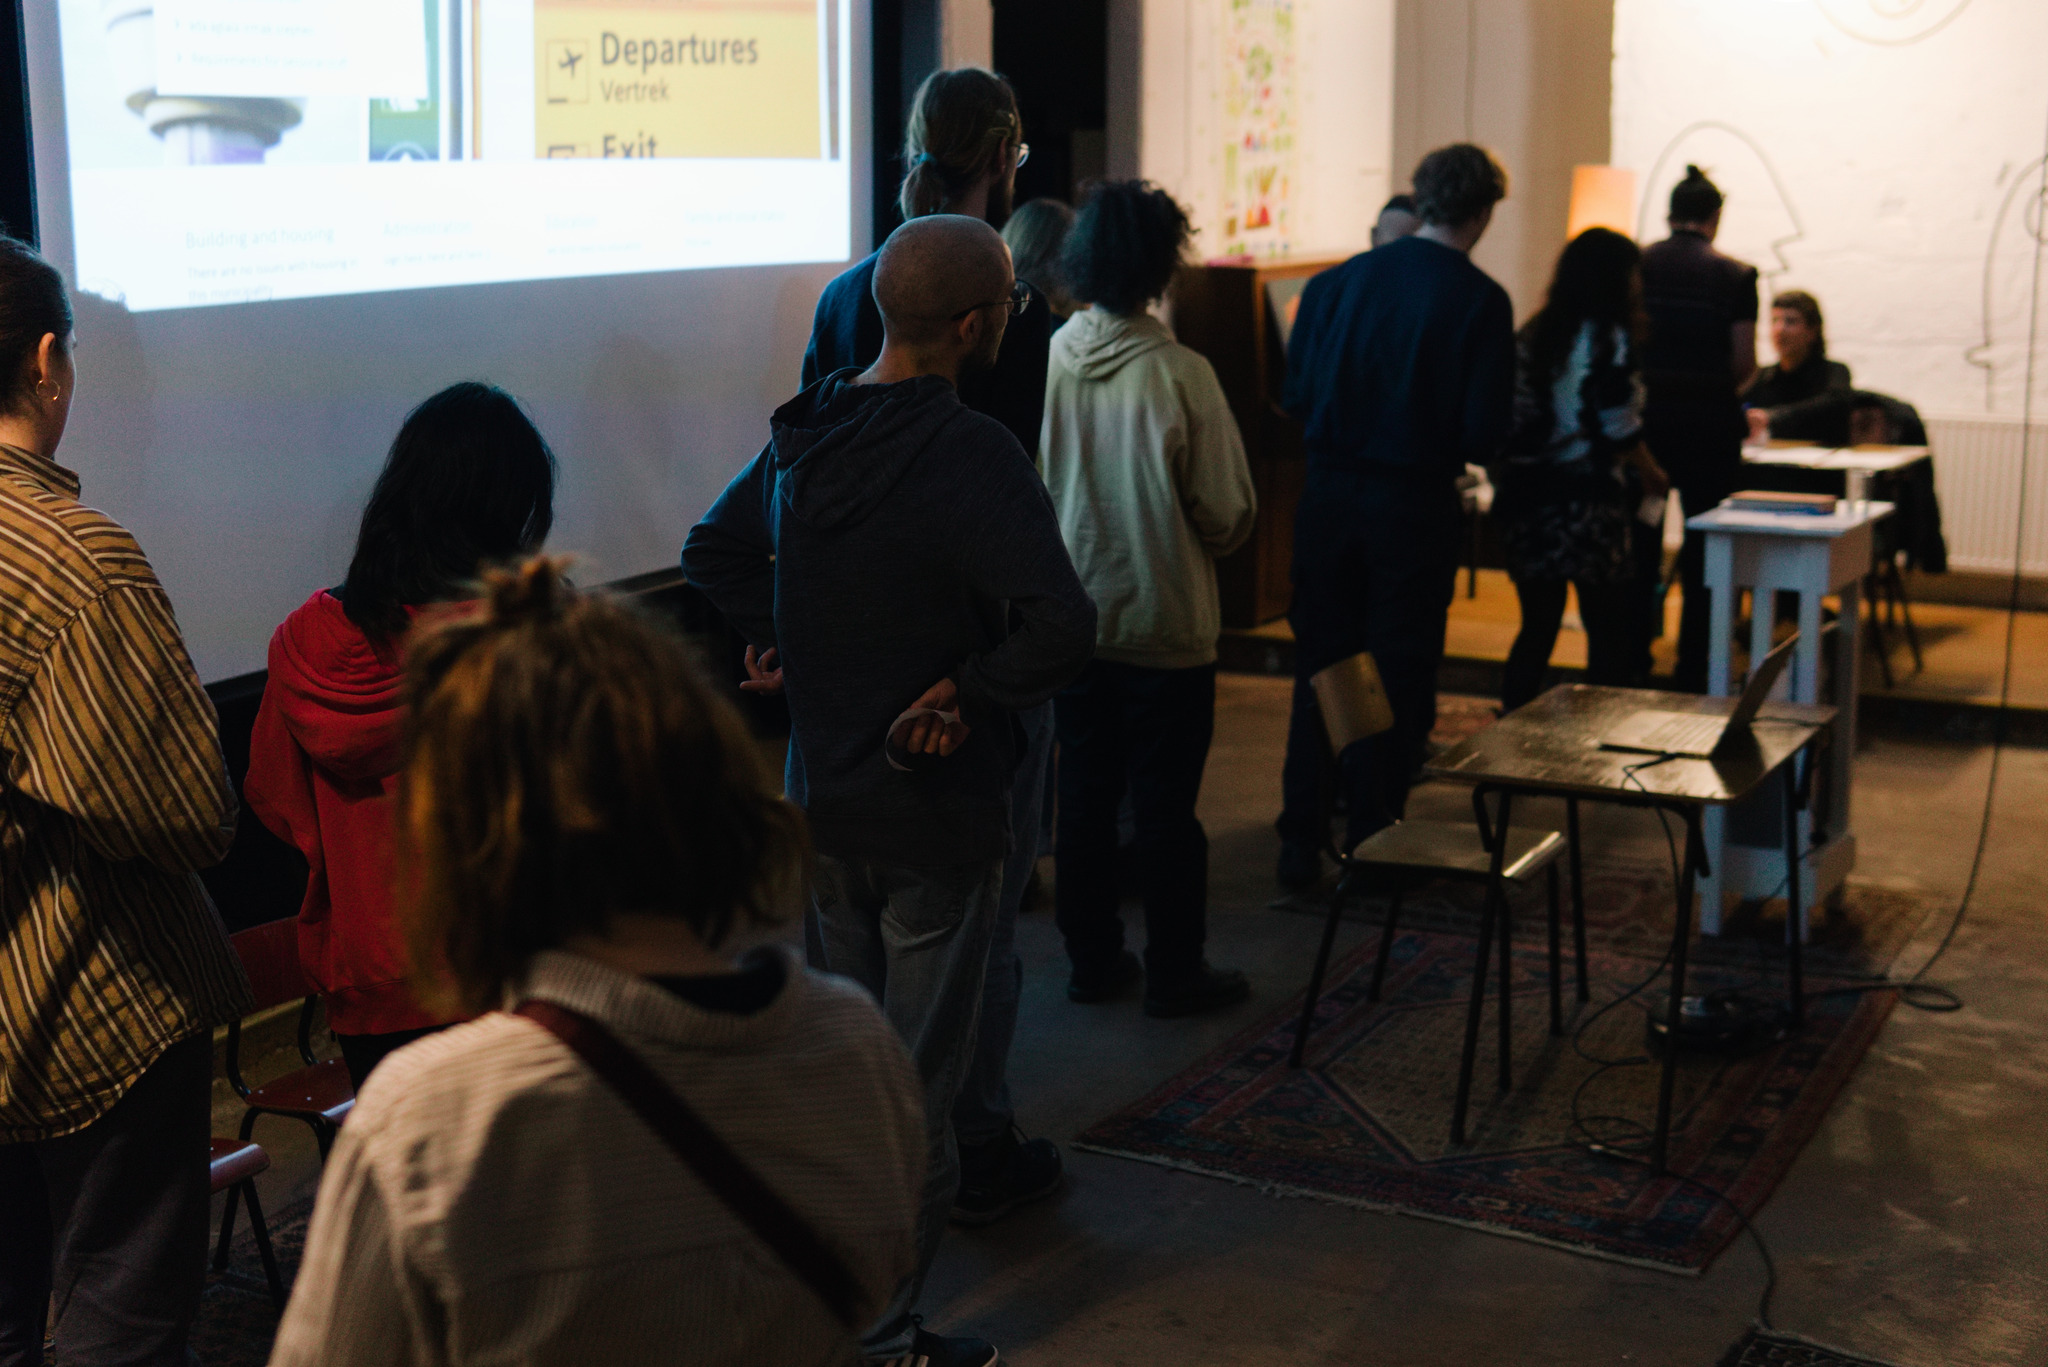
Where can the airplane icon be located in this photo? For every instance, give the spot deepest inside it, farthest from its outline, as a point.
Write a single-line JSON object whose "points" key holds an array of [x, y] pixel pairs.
{"points": [[568, 82]]}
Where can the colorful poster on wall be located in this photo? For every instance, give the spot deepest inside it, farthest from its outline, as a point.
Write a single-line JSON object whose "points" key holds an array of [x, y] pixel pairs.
{"points": [[1258, 126]]}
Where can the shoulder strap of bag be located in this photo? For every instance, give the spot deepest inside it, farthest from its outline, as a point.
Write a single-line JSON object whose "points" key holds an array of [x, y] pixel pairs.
{"points": [[716, 1165]]}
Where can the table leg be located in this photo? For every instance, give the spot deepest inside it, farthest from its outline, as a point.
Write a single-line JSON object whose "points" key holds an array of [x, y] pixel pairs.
{"points": [[1556, 953], [1507, 949], [1681, 941], [1795, 930], [1497, 847], [1571, 822]]}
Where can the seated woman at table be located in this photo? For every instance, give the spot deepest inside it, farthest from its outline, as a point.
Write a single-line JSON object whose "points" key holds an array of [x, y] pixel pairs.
{"points": [[1577, 470], [1803, 397]]}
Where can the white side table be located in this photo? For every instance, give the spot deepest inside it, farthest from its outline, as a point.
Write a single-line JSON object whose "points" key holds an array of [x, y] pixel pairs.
{"points": [[1811, 557]]}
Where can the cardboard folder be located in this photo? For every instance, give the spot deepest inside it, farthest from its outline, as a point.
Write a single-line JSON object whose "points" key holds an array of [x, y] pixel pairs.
{"points": [[1353, 700]]}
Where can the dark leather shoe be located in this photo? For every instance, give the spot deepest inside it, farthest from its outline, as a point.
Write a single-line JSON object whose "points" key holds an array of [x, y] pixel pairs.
{"points": [[1110, 980], [1206, 989], [1301, 867]]}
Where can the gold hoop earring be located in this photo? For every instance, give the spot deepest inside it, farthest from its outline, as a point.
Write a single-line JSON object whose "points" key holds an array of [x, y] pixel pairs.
{"points": [[55, 393]]}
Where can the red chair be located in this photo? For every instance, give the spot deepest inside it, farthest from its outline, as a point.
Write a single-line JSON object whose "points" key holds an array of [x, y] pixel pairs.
{"points": [[235, 1165], [320, 1093]]}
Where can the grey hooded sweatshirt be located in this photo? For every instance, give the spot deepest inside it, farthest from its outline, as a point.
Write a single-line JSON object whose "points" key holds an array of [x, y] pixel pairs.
{"points": [[1147, 471], [888, 537]]}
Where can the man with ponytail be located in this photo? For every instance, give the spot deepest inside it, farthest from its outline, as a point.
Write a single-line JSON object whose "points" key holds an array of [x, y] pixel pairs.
{"points": [[961, 150]]}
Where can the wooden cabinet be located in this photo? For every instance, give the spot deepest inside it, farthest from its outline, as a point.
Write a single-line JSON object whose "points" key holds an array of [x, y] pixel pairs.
{"points": [[1224, 312]]}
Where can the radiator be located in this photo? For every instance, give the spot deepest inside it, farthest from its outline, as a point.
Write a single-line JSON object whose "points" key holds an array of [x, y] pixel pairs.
{"points": [[1977, 462]]}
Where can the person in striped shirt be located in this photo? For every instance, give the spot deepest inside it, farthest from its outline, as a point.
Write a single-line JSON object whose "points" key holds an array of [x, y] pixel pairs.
{"points": [[114, 965]]}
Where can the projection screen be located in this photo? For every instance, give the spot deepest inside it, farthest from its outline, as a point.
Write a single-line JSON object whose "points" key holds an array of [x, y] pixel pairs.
{"points": [[287, 221]]}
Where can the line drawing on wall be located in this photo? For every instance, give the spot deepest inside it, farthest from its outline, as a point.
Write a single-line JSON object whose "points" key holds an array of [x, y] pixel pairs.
{"points": [[2007, 258], [1891, 23], [1774, 226]]}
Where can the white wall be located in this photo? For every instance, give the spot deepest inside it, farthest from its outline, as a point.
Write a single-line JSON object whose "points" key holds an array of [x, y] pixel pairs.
{"points": [[1330, 109], [1526, 79], [1883, 156]]}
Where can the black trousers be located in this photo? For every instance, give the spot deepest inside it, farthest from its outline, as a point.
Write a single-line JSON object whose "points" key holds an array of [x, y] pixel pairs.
{"points": [[111, 1221], [1124, 727], [1700, 447], [1608, 612], [1375, 566]]}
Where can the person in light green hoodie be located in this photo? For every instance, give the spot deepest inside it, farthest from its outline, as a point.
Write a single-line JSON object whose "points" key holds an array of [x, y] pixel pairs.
{"points": [[1148, 476]]}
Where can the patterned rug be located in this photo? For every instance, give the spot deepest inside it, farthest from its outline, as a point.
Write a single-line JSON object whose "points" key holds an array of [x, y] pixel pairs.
{"points": [[1760, 1349], [1367, 1121]]}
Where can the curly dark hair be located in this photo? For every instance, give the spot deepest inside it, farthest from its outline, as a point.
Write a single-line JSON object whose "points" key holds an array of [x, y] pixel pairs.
{"points": [[1126, 245], [1457, 184]]}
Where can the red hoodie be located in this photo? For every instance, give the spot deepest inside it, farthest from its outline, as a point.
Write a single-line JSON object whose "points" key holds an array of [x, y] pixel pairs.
{"points": [[323, 762]]}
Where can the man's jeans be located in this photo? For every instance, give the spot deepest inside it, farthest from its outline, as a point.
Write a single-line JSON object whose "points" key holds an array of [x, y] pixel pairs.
{"points": [[983, 1113], [113, 1219], [918, 940]]}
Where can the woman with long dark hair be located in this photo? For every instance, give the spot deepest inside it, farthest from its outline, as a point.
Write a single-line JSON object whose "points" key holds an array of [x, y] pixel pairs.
{"points": [[1576, 469], [469, 483]]}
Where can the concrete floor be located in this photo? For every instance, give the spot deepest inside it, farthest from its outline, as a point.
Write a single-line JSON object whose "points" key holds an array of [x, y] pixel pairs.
{"points": [[1910, 1227]]}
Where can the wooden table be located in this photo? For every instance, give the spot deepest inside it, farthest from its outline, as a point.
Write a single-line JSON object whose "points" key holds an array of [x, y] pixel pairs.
{"points": [[1551, 748]]}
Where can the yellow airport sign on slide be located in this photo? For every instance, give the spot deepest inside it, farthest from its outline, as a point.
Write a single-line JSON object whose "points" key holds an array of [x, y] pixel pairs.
{"points": [[676, 78]]}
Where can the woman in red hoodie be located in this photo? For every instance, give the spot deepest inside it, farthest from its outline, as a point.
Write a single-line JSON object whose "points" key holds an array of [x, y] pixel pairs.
{"points": [[469, 482]]}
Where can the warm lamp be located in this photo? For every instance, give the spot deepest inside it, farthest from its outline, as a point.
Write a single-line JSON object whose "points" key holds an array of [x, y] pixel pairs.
{"points": [[1602, 197]]}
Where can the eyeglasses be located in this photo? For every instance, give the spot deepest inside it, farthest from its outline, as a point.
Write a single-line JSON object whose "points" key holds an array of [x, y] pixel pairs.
{"points": [[1019, 300]]}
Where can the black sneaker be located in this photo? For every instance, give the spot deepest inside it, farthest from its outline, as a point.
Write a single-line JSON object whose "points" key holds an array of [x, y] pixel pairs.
{"points": [[1206, 989], [1301, 867], [1099, 985], [935, 1350], [1000, 1176]]}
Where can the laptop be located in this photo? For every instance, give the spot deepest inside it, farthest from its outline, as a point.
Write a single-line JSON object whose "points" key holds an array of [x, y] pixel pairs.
{"points": [[1694, 735]]}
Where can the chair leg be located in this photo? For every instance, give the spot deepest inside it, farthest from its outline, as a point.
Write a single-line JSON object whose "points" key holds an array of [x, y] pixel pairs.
{"points": [[1315, 979], [227, 1229], [263, 1249], [1379, 967], [1877, 637], [1507, 982], [1906, 615], [1571, 812], [1556, 954]]}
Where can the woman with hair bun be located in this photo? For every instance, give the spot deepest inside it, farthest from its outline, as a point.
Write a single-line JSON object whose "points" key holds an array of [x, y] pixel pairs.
{"points": [[1148, 474], [587, 833]]}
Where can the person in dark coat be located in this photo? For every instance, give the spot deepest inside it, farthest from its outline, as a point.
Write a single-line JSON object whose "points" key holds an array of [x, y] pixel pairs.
{"points": [[1801, 396], [1700, 353], [1402, 369]]}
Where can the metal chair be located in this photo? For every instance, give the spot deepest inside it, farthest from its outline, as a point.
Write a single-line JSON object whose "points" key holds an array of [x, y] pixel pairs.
{"points": [[1410, 852], [234, 1164], [319, 1094]]}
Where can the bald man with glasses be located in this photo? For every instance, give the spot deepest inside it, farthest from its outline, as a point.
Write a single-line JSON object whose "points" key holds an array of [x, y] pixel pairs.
{"points": [[875, 556]]}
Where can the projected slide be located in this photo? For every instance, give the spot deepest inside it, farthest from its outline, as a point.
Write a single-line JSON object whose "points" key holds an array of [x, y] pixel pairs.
{"points": [[229, 151]]}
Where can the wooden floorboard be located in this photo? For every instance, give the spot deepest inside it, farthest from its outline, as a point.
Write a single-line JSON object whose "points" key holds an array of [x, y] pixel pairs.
{"points": [[1963, 648]]}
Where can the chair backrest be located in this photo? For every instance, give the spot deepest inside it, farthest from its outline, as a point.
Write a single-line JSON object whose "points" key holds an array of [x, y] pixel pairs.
{"points": [[270, 956]]}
